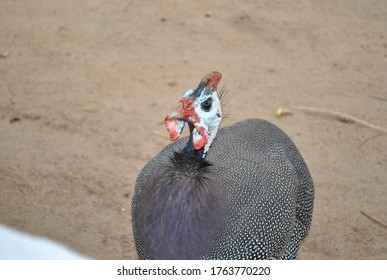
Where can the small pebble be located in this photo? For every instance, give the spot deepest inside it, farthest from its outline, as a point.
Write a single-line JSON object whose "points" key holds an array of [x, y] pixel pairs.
{"points": [[4, 54]]}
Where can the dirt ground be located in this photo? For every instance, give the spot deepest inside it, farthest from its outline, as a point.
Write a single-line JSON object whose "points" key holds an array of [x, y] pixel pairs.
{"points": [[85, 86]]}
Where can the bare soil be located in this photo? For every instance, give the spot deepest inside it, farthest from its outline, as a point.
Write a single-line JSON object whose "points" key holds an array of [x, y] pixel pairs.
{"points": [[85, 86]]}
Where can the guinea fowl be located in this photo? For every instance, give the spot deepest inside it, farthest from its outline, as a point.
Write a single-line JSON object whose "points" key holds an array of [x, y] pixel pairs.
{"points": [[243, 192]]}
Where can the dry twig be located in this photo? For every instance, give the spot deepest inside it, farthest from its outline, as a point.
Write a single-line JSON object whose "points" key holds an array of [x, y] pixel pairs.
{"points": [[160, 135], [341, 117], [370, 138], [373, 219], [378, 97]]}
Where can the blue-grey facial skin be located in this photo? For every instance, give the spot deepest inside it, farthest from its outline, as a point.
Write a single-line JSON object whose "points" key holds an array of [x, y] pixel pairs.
{"points": [[208, 115]]}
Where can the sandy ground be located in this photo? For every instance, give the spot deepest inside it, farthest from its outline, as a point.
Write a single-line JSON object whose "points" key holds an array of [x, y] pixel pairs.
{"points": [[85, 86]]}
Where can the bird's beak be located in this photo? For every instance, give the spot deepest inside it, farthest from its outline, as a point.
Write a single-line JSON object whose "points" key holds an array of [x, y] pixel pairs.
{"points": [[185, 112]]}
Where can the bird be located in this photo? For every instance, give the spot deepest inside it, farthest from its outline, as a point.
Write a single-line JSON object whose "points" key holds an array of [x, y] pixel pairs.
{"points": [[238, 192]]}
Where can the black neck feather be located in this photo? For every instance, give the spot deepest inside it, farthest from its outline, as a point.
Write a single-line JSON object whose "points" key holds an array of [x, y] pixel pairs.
{"points": [[189, 147], [181, 207]]}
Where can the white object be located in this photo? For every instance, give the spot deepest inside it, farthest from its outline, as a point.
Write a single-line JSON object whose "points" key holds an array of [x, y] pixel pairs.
{"points": [[16, 245]]}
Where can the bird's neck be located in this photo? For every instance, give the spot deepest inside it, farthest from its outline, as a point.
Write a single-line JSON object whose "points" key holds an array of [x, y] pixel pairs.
{"points": [[189, 146], [183, 207]]}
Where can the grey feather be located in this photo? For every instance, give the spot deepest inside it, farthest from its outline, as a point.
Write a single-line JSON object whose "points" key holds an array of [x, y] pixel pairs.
{"points": [[266, 190]]}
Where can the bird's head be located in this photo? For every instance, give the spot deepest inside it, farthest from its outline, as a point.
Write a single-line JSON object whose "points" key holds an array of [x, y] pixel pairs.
{"points": [[201, 109]]}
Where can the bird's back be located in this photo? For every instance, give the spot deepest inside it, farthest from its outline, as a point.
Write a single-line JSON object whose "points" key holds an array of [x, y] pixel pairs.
{"points": [[268, 193]]}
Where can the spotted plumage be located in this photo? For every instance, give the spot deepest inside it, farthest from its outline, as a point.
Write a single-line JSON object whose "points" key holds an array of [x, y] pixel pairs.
{"points": [[249, 197]]}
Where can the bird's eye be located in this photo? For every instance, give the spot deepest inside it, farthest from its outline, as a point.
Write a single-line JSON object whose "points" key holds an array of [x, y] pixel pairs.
{"points": [[206, 105]]}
